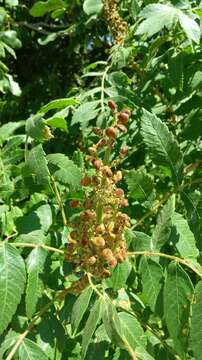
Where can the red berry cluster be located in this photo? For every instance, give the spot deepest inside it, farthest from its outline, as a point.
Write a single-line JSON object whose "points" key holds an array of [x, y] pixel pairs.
{"points": [[96, 242]]}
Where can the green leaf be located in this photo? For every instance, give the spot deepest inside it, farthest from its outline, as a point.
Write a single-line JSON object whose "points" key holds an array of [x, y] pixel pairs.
{"points": [[140, 184], [58, 104], [190, 27], [85, 112], [112, 322], [178, 294], [119, 276], [37, 163], [13, 86], [139, 241], [134, 337], [35, 264], [186, 241], [90, 326], [40, 8], [162, 146], [8, 129], [35, 126], [30, 350], [157, 17], [8, 342], [68, 173], [152, 275], [12, 281], [80, 307], [36, 222], [92, 7], [195, 339], [57, 122], [162, 230]]}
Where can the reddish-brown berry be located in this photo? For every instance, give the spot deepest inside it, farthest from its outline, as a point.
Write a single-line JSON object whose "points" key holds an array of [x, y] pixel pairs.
{"points": [[74, 203], [86, 181], [123, 118], [112, 263], [112, 105], [97, 164], [124, 151], [111, 132]]}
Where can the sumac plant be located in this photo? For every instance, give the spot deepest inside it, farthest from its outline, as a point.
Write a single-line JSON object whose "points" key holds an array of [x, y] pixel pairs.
{"points": [[100, 186]]}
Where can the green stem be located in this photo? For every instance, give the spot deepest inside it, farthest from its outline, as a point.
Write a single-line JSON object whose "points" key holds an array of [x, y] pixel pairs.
{"points": [[59, 200], [169, 257], [31, 245]]}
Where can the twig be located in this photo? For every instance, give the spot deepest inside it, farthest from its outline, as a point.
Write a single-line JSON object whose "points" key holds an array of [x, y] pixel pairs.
{"points": [[32, 245], [89, 276], [103, 88], [59, 200], [170, 257], [166, 197]]}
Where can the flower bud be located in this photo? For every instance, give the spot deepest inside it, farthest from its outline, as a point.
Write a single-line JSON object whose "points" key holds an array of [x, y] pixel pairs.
{"points": [[119, 192], [98, 241], [117, 176], [107, 254], [86, 181], [107, 171], [74, 203], [92, 150], [91, 260], [112, 105], [47, 134], [100, 228], [123, 118], [111, 132]]}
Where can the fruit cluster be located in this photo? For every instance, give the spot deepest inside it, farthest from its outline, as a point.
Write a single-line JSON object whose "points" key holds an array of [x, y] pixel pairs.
{"points": [[96, 242], [117, 25]]}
